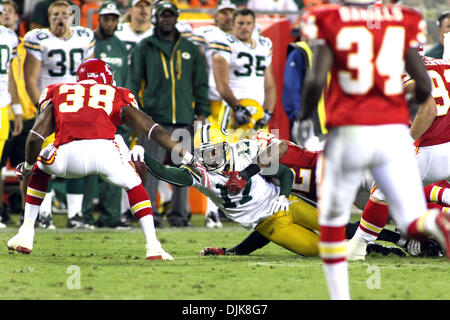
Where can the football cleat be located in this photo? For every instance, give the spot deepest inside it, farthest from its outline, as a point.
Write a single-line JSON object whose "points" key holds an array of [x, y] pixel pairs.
{"points": [[378, 248], [23, 241], [213, 251], [157, 253], [356, 249], [45, 221], [212, 220], [2, 225]]}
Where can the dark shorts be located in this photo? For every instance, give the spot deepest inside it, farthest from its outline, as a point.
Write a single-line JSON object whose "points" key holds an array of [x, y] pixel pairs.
{"points": [[14, 149]]}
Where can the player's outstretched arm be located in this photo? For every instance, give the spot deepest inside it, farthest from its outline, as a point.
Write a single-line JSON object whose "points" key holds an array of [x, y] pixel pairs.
{"points": [[423, 119], [143, 124], [173, 175]]}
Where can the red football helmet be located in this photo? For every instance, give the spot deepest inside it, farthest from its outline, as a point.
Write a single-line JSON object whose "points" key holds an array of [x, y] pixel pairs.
{"points": [[97, 70]]}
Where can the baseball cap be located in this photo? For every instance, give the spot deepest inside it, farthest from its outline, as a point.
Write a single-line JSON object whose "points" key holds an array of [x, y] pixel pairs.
{"points": [[109, 7], [225, 4], [135, 2], [162, 6]]}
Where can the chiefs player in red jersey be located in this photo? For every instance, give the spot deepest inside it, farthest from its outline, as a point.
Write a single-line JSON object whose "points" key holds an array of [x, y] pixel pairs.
{"points": [[431, 132], [84, 116], [367, 49]]}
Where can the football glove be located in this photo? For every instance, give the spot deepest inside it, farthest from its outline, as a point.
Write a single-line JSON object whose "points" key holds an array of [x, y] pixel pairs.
{"points": [[236, 183], [261, 123], [213, 251], [302, 131], [280, 204], [242, 115], [21, 172], [137, 153]]}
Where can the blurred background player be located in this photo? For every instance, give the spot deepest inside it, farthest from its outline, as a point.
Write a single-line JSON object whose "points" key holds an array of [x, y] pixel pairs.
{"points": [[443, 23], [53, 56], [242, 67], [8, 93], [367, 120]]}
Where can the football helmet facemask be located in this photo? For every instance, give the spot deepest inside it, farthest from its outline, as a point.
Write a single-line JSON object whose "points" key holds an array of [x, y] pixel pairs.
{"points": [[97, 70], [211, 147]]}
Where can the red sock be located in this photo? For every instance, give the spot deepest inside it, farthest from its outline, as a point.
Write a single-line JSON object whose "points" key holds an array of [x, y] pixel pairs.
{"points": [[139, 202], [332, 245], [37, 187], [432, 205], [374, 218]]}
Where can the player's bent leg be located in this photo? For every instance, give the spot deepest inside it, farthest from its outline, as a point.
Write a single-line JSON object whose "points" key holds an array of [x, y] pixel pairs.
{"points": [[304, 213], [281, 229], [23, 240]]}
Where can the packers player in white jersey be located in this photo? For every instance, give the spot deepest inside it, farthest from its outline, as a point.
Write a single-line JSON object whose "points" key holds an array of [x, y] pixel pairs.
{"points": [[242, 67], [8, 88], [53, 56], [270, 209], [203, 37]]}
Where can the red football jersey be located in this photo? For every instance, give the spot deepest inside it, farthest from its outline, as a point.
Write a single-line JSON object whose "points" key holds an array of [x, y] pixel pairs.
{"points": [[300, 160], [369, 45], [439, 131], [85, 110]]}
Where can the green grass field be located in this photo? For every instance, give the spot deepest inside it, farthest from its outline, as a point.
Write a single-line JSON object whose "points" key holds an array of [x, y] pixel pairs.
{"points": [[109, 264]]}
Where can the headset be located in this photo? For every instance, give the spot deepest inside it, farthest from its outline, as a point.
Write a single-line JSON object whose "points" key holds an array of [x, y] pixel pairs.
{"points": [[162, 3]]}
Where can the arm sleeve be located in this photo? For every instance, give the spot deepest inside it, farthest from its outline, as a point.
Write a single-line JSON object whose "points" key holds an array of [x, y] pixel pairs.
{"points": [[32, 44], [286, 178], [173, 175]]}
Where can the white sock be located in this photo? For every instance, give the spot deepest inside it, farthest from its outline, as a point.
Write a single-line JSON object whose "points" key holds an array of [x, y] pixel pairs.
{"points": [[31, 213], [364, 236], [74, 204], [165, 191], [211, 206], [336, 275], [148, 228], [125, 203], [46, 205]]}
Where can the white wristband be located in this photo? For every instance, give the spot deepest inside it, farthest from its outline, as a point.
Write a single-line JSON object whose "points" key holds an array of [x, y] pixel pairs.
{"points": [[17, 109], [28, 166], [151, 129]]}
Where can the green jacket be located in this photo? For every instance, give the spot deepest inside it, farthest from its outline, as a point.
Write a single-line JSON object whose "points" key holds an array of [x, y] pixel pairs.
{"points": [[175, 83]]}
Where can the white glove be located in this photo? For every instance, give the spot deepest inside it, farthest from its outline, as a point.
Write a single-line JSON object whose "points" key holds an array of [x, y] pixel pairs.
{"points": [[137, 153], [280, 204], [302, 131]]}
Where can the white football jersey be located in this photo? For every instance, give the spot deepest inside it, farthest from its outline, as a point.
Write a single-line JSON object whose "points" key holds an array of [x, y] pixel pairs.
{"points": [[249, 207], [247, 62], [131, 38], [60, 57], [8, 51]]}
